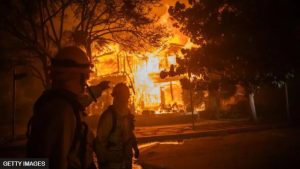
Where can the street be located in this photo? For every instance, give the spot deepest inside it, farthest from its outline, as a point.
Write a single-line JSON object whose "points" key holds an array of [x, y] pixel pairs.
{"points": [[258, 150], [255, 150]]}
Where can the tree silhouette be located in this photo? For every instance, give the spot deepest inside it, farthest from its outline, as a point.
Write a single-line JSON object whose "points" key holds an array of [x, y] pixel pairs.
{"points": [[37, 29], [243, 42], [32, 31], [129, 23]]}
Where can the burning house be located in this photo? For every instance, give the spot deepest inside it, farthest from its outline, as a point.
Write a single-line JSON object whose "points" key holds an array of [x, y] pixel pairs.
{"points": [[141, 73]]}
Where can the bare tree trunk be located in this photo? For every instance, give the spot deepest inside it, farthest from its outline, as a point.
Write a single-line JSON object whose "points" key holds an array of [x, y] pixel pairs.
{"points": [[252, 106], [191, 97]]}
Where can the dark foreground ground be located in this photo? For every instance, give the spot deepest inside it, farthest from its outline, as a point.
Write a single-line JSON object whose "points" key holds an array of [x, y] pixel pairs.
{"points": [[270, 149]]}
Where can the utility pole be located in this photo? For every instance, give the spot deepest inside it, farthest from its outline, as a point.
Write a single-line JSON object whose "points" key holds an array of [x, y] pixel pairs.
{"points": [[14, 106], [287, 101], [191, 96], [15, 77]]}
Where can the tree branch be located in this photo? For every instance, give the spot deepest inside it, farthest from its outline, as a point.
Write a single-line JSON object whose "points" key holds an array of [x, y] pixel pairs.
{"points": [[61, 22], [116, 31], [52, 26], [49, 36], [42, 23], [22, 26], [13, 31], [98, 31], [82, 16], [107, 22], [55, 13], [91, 14], [120, 43], [39, 75], [98, 17], [114, 41], [32, 26]]}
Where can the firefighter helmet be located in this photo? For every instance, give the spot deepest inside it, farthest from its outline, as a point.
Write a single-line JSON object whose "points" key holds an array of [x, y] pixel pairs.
{"points": [[71, 59], [121, 91]]}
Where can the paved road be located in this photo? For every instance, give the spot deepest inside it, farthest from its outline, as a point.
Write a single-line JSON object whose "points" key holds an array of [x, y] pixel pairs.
{"points": [[258, 150]]}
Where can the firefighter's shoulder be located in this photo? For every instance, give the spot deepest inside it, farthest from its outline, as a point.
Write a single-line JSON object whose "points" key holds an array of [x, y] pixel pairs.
{"points": [[106, 115], [60, 108]]}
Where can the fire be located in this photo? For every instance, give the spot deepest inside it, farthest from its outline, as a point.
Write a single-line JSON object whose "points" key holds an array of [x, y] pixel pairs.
{"points": [[142, 72], [172, 60], [189, 45], [146, 86]]}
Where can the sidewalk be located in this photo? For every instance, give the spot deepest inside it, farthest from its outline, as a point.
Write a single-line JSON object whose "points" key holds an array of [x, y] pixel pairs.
{"points": [[203, 125], [214, 131], [183, 131]]}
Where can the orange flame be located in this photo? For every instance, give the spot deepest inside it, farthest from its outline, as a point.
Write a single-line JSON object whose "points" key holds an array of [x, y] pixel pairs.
{"points": [[150, 93]]}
